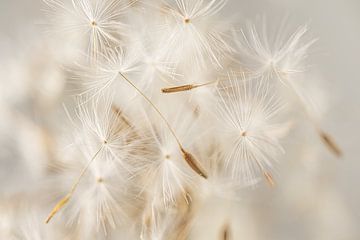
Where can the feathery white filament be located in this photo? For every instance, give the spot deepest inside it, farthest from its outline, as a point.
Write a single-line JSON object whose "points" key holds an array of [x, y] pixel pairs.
{"points": [[100, 23], [245, 112]]}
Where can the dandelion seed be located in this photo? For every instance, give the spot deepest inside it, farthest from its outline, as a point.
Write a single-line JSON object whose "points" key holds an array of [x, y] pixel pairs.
{"points": [[194, 35], [105, 76], [104, 136], [192, 162], [245, 112], [281, 60], [167, 175], [283, 57], [100, 22], [101, 201], [115, 69]]}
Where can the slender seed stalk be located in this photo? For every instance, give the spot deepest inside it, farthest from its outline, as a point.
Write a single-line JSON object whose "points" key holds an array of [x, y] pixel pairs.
{"points": [[68, 196], [188, 157]]}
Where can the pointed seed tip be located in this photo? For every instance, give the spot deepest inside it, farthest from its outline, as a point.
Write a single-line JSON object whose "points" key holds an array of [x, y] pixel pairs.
{"points": [[269, 179], [58, 207], [331, 144]]}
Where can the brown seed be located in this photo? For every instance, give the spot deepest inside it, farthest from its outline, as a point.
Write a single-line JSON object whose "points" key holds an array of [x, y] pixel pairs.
{"points": [[193, 163], [269, 179], [186, 87], [225, 234], [178, 89], [330, 143]]}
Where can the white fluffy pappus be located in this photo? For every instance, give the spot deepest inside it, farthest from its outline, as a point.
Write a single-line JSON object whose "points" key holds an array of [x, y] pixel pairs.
{"points": [[194, 36], [155, 68], [166, 175], [219, 184], [105, 128], [274, 56], [103, 200], [107, 74], [108, 152], [97, 24], [246, 111]]}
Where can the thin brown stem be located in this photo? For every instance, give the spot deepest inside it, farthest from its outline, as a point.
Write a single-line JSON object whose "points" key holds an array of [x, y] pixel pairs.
{"points": [[68, 196], [188, 157], [154, 107]]}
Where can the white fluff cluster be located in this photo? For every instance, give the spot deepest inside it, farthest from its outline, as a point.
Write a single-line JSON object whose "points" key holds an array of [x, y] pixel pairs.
{"points": [[169, 106]]}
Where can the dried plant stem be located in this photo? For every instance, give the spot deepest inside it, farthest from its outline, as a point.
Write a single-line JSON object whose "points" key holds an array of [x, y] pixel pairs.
{"points": [[68, 196], [188, 157]]}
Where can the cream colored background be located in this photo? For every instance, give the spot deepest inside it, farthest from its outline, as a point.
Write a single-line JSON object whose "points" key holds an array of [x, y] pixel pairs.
{"points": [[337, 59]]}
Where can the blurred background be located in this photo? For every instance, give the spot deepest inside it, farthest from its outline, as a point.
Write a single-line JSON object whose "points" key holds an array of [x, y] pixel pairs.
{"points": [[318, 196]]}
